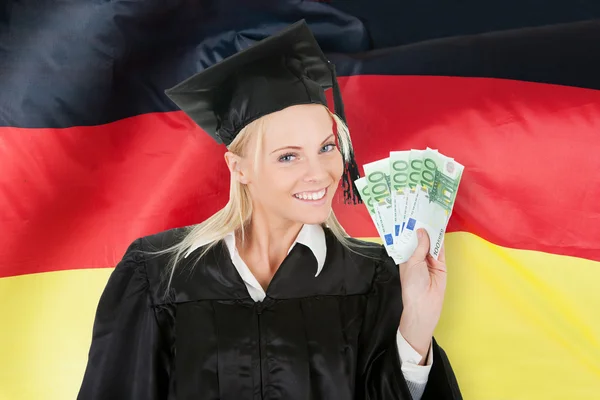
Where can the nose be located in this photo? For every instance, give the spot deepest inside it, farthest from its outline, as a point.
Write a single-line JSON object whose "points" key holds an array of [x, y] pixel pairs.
{"points": [[316, 170]]}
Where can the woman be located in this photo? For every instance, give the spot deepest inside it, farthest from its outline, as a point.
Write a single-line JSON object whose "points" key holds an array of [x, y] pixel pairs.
{"points": [[269, 298]]}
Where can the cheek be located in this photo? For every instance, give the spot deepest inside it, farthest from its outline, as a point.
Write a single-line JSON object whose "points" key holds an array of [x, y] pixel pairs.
{"points": [[275, 183], [337, 167]]}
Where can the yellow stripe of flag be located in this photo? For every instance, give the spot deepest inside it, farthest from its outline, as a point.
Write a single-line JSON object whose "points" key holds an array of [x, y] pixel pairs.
{"points": [[516, 325]]}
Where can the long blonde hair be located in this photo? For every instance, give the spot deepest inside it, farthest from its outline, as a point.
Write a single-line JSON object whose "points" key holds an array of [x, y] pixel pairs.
{"points": [[236, 214]]}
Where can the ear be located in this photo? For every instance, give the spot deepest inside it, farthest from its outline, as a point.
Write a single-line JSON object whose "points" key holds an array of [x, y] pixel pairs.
{"points": [[236, 166]]}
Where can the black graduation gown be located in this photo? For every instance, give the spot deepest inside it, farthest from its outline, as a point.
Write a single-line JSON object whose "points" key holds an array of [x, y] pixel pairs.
{"points": [[330, 337]]}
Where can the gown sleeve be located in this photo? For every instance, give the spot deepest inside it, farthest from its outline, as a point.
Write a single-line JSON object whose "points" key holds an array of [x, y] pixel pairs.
{"points": [[379, 369], [126, 358]]}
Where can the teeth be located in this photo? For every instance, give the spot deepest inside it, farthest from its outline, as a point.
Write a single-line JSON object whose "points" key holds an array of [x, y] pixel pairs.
{"points": [[311, 195]]}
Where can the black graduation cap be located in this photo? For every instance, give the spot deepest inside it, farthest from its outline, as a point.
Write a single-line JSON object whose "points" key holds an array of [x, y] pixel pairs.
{"points": [[285, 69]]}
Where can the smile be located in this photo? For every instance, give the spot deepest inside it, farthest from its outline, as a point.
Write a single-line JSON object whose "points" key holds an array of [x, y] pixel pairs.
{"points": [[311, 196]]}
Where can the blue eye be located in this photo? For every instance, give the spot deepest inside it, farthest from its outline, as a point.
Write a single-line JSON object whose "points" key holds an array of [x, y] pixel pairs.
{"points": [[289, 157], [286, 157], [328, 147]]}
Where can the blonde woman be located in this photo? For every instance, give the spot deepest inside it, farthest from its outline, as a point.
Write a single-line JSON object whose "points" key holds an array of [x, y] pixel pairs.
{"points": [[269, 298]]}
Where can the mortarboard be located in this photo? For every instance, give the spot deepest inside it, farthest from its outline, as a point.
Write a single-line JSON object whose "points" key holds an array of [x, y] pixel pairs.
{"points": [[285, 69]]}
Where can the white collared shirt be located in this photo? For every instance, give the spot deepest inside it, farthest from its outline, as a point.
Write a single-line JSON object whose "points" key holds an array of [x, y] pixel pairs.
{"points": [[313, 237]]}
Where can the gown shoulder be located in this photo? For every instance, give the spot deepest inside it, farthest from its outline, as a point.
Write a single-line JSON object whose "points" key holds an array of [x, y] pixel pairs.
{"points": [[131, 334], [354, 269]]}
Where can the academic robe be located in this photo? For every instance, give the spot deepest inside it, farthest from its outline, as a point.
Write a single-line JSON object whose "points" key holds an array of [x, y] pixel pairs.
{"points": [[327, 338]]}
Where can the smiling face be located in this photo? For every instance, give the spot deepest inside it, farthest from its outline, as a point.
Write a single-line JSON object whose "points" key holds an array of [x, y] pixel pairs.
{"points": [[298, 165]]}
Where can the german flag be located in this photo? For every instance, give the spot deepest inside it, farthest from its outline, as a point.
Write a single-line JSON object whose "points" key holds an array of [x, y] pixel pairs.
{"points": [[93, 155]]}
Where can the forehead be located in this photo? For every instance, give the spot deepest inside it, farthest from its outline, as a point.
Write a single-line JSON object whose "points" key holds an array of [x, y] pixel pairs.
{"points": [[299, 125]]}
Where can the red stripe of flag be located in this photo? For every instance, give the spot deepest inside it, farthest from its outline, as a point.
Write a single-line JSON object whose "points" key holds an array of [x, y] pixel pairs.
{"points": [[76, 197]]}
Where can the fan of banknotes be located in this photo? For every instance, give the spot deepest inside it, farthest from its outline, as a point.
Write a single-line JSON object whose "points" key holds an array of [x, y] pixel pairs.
{"points": [[410, 190]]}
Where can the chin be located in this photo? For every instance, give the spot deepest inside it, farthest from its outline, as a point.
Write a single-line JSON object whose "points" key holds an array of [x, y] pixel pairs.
{"points": [[313, 218], [313, 221]]}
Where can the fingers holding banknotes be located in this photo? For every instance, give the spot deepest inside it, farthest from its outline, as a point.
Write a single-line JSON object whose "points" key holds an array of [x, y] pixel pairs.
{"points": [[423, 281], [410, 196]]}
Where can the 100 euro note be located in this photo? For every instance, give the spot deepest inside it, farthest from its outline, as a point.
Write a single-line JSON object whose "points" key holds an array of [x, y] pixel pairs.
{"points": [[415, 170], [415, 161], [399, 169], [378, 181], [437, 187], [366, 197]]}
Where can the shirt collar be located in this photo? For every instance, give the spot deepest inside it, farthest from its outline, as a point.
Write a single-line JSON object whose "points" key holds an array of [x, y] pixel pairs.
{"points": [[312, 236]]}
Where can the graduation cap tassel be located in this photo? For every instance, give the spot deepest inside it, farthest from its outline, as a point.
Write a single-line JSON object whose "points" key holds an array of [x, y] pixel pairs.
{"points": [[351, 195], [351, 174]]}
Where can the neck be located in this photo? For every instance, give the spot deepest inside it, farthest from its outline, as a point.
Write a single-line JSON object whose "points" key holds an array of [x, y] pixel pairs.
{"points": [[267, 241]]}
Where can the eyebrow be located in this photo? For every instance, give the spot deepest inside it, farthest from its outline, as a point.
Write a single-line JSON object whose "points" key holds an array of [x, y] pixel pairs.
{"points": [[298, 147]]}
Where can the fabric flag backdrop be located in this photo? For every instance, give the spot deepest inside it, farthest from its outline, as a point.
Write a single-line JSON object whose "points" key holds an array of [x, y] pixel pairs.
{"points": [[93, 155]]}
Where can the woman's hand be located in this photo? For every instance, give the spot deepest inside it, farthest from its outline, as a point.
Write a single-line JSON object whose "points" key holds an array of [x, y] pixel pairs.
{"points": [[423, 281]]}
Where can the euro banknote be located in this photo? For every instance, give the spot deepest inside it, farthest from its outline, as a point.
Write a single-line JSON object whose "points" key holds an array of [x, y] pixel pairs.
{"points": [[378, 181], [417, 190], [369, 202], [399, 169]]}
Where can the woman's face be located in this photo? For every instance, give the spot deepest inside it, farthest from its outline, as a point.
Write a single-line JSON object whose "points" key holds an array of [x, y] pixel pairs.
{"points": [[299, 167]]}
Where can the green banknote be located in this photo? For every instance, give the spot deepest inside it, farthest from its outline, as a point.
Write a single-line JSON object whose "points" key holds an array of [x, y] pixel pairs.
{"points": [[369, 202], [421, 163], [409, 190], [399, 170], [415, 162], [378, 181], [434, 200], [447, 179]]}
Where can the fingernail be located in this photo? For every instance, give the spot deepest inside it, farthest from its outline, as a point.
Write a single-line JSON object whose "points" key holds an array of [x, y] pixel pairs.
{"points": [[420, 233]]}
